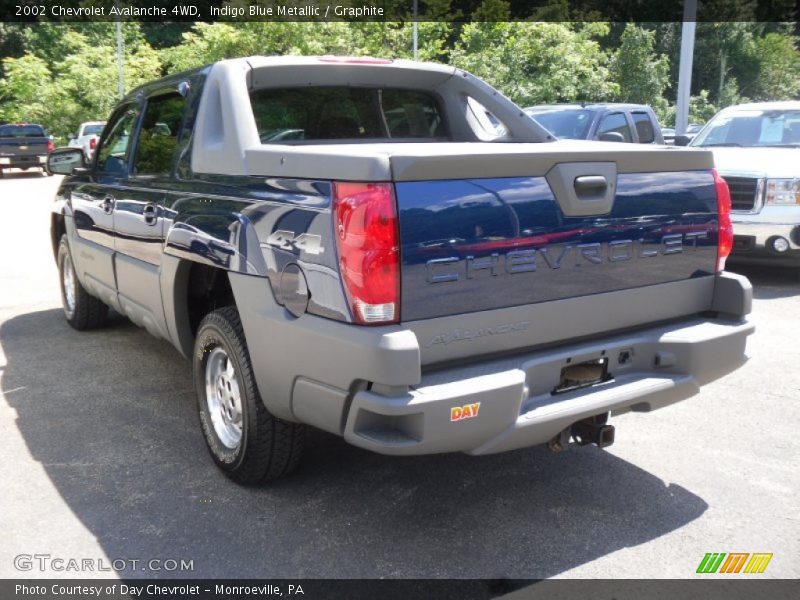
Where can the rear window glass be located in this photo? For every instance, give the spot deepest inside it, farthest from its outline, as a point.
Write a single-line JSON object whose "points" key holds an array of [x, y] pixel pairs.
{"points": [[93, 129], [21, 131], [289, 115]]}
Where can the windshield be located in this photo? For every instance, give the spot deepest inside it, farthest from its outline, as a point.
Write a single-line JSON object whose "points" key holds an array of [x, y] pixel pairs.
{"points": [[96, 129], [750, 128], [570, 123], [21, 131]]}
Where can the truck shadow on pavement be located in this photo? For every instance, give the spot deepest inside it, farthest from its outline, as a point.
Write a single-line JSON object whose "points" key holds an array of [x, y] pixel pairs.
{"points": [[110, 415], [770, 283], [18, 174]]}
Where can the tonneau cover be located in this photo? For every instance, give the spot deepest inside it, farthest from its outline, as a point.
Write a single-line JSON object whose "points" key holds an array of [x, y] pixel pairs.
{"points": [[458, 160]]}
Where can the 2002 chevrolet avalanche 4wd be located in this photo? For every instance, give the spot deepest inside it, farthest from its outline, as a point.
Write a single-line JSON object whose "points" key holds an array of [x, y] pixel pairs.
{"points": [[350, 244]]}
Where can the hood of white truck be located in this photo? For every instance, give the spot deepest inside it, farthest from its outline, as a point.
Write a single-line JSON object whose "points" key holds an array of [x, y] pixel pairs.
{"points": [[760, 162]]}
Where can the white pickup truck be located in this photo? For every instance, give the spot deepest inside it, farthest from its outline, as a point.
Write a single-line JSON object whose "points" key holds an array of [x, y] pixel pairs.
{"points": [[87, 136], [757, 150]]}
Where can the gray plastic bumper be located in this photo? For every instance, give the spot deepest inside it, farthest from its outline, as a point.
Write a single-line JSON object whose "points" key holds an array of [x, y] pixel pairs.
{"points": [[375, 386], [513, 398]]}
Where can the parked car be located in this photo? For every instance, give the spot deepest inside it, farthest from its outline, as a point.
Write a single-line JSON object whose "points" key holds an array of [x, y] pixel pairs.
{"points": [[668, 133], [416, 284], [757, 150], [635, 123], [24, 146], [691, 131], [87, 136]]}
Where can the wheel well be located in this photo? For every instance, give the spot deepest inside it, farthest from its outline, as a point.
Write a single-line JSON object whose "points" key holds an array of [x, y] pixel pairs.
{"points": [[207, 289], [57, 229]]}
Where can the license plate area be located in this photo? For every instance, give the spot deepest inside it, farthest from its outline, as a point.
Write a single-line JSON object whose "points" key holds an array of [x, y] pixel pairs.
{"points": [[583, 374]]}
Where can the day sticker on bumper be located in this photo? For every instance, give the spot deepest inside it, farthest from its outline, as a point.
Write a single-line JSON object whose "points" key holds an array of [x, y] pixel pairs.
{"points": [[468, 411]]}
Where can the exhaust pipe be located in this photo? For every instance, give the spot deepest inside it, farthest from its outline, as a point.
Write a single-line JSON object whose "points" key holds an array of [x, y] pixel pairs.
{"points": [[593, 430]]}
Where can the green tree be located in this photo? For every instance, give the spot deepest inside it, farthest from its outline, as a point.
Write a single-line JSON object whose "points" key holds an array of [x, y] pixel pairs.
{"points": [[26, 91], [642, 75], [778, 68], [536, 63], [209, 42]]}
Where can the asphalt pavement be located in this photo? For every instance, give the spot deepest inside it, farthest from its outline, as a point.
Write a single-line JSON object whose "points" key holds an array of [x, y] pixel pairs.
{"points": [[101, 458]]}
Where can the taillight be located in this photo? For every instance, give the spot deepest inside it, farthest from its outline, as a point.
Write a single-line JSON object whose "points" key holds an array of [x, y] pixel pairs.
{"points": [[725, 230], [50, 146], [367, 239], [92, 143]]}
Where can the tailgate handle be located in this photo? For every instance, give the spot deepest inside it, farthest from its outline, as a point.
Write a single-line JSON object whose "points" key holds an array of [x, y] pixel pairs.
{"points": [[583, 189], [590, 185]]}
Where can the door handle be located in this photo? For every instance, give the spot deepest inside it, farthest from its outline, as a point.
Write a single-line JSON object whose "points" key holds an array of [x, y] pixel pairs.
{"points": [[107, 204], [150, 214]]}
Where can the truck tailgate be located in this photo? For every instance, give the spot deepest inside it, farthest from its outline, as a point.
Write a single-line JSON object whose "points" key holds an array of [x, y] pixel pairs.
{"points": [[471, 245], [23, 146]]}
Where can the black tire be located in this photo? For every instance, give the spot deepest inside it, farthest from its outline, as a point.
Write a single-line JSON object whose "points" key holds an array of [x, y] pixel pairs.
{"points": [[2, 173], [269, 447], [88, 312]]}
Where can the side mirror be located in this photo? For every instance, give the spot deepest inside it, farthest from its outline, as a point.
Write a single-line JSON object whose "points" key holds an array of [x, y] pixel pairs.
{"points": [[611, 136], [682, 140], [63, 161]]}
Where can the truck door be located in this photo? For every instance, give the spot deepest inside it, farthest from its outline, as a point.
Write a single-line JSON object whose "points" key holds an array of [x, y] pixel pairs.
{"points": [[139, 213], [93, 200], [644, 128], [615, 122]]}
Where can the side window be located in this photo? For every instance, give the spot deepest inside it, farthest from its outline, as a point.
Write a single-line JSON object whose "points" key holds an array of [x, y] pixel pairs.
{"points": [[485, 125], [644, 127], [112, 156], [159, 135], [615, 123]]}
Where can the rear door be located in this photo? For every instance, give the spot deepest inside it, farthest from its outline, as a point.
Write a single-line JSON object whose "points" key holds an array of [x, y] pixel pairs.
{"points": [[644, 127], [139, 212]]}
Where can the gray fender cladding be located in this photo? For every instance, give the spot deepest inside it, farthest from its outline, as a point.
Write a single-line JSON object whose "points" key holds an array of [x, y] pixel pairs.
{"points": [[283, 348], [733, 295]]}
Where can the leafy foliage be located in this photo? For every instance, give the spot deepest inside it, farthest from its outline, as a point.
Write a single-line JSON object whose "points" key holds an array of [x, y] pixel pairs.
{"points": [[60, 74], [641, 73], [535, 63]]}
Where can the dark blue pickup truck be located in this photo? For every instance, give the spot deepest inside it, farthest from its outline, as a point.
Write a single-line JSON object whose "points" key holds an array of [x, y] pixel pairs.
{"points": [[24, 146], [353, 245]]}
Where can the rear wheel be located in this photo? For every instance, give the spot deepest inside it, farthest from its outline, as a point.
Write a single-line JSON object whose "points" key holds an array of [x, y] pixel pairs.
{"points": [[81, 310], [247, 442]]}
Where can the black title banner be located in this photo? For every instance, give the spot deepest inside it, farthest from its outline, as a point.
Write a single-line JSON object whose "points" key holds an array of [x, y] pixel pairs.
{"points": [[395, 589], [396, 10]]}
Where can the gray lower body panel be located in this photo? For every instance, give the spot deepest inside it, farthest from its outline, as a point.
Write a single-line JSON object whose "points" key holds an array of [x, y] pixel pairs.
{"points": [[388, 390], [511, 400]]}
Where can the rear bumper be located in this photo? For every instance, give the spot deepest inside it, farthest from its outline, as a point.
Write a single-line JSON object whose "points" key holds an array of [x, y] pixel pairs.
{"points": [[376, 386], [22, 162], [513, 398]]}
